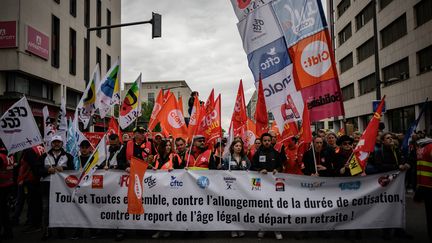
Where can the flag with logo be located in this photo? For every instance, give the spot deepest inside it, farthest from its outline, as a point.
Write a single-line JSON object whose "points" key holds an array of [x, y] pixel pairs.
{"points": [[171, 118], [113, 128], [305, 133], [261, 116], [87, 105], [49, 128], [108, 91], [250, 133], [61, 117], [96, 159], [131, 107], [209, 105], [194, 116], [366, 144], [136, 189], [180, 104], [411, 130], [239, 116], [18, 129], [156, 109]]}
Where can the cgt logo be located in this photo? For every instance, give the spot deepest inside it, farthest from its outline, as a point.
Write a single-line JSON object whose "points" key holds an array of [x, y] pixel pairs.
{"points": [[175, 118], [97, 182], [316, 58], [71, 181]]}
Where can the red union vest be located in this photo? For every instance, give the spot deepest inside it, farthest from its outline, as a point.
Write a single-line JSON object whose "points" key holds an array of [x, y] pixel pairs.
{"points": [[169, 164], [424, 166], [6, 169], [202, 160]]}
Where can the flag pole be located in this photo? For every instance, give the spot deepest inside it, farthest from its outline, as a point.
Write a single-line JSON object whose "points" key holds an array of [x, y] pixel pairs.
{"points": [[313, 152]]}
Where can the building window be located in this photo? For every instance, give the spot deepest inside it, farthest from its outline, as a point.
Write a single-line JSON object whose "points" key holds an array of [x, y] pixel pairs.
{"points": [[394, 31], [366, 50], [73, 7], [108, 22], [87, 13], [98, 17], [345, 34], [400, 119], [423, 11], [28, 85], [98, 56], [108, 62], [348, 92], [86, 60], [55, 41], [346, 63], [151, 98], [364, 16], [425, 59], [367, 84], [72, 51], [343, 6], [72, 98], [396, 72], [384, 3]]}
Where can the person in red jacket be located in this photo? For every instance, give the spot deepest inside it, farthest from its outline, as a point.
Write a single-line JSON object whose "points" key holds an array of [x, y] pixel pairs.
{"points": [[6, 183], [200, 155]]}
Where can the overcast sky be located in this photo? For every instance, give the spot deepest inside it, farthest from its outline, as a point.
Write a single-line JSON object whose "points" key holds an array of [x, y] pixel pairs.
{"points": [[200, 44]]}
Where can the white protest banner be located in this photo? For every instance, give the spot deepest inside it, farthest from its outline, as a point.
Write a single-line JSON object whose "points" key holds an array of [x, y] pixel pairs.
{"points": [[18, 128], [236, 200], [244, 7]]}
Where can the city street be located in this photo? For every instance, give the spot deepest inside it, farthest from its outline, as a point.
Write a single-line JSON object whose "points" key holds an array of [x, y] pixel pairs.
{"points": [[416, 226]]}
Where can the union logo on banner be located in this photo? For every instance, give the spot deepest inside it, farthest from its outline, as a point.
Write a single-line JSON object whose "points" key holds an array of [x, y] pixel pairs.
{"points": [[312, 60]]}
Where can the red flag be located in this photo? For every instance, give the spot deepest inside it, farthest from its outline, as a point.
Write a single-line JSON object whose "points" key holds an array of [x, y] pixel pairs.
{"points": [[261, 117], [113, 128], [171, 118], [180, 104], [136, 189], [156, 109], [194, 116], [166, 95], [210, 124], [305, 134], [366, 143], [209, 105], [239, 116]]}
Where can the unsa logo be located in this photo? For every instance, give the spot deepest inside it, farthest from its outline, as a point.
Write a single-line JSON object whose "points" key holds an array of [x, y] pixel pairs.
{"points": [[315, 58], [175, 118]]}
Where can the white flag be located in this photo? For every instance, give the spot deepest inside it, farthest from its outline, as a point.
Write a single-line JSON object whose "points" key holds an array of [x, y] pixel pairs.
{"points": [[130, 109], [18, 128], [108, 91], [49, 129], [87, 105]]}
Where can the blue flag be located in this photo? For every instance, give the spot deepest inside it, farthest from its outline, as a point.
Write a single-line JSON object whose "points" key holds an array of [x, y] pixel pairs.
{"points": [[411, 129]]}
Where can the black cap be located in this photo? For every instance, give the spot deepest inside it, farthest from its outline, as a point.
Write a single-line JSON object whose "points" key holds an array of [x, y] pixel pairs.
{"points": [[85, 143], [344, 138]]}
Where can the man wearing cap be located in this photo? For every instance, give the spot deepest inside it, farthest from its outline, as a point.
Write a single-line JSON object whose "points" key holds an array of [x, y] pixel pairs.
{"points": [[139, 147], [85, 152], [56, 160], [114, 147], [200, 155], [343, 155]]}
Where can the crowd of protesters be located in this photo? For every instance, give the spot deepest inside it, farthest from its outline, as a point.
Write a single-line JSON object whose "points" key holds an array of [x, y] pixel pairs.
{"points": [[328, 156]]}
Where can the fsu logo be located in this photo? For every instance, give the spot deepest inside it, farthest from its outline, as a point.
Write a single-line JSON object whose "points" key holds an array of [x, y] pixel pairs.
{"points": [[71, 181]]}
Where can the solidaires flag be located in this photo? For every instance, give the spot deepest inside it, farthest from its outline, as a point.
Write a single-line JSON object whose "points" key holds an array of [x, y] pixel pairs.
{"points": [[131, 106], [108, 92]]}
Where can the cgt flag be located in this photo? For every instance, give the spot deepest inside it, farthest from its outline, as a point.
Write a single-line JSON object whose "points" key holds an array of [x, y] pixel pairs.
{"points": [[156, 109], [136, 190], [171, 118], [18, 129], [131, 107]]}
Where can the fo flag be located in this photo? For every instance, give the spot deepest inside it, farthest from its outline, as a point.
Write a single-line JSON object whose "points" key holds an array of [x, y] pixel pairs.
{"points": [[18, 128], [136, 190], [131, 107]]}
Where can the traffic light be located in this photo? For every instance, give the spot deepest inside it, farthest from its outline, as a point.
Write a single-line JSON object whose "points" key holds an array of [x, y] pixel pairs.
{"points": [[156, 25]]}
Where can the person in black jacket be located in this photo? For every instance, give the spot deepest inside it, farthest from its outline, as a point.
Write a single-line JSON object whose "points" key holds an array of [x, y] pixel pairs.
{"points": [[266, 158], [56, 160], [324, 159]]}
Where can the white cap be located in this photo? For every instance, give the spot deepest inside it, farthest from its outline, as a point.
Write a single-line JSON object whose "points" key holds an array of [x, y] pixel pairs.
{"points": [[56, 138]]}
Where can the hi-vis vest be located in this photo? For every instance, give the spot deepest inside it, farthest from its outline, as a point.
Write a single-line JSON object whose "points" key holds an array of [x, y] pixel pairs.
{"points": [[201, 161], [169, 164], [424, 166]]}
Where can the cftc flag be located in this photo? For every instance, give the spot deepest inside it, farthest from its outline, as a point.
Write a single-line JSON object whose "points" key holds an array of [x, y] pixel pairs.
{"points": [[18, 129]]}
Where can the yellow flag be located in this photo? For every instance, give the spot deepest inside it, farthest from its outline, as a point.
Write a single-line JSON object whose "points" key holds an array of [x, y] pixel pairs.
{"points": [[354, 166]]}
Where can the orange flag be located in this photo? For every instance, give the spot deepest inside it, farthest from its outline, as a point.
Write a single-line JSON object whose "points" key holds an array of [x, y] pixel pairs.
{"points": [[113, 128], [156, 109], [171, 118], [239, 116], [305, 134], [166, 95], [261, 117], [135, 189], [180, 104], [209, 105], [193, 121], [250, 133]]}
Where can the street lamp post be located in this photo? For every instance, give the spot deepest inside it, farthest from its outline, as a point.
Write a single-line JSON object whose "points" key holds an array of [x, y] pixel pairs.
{"points": [[156, 23], [377, 64]]}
